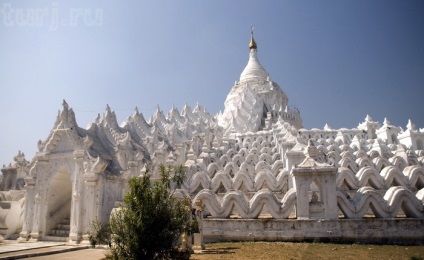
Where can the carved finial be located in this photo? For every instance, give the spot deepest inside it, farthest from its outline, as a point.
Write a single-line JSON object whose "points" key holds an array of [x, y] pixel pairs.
{"points": [[327, 127], [311, 150], [65, 105], [386, 122], [97, 119], [252, 44], [368, 118], [410, 125]]}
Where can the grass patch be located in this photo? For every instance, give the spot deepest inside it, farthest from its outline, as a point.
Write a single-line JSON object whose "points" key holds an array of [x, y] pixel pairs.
{"points": [[288, 250]]}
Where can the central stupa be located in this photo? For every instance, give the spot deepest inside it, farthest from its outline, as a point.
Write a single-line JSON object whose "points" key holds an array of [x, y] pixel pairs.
{"points": [[255, 102]]}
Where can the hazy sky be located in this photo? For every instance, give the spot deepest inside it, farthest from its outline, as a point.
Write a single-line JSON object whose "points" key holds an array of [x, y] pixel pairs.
{"points": [[337, 60]]}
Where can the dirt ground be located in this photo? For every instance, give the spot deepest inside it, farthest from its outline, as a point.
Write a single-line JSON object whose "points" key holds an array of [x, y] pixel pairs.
{"points": [[284, 250]]}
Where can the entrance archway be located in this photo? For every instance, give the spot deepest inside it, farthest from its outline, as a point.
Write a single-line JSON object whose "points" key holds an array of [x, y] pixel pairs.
{"points": [[59, 199]]}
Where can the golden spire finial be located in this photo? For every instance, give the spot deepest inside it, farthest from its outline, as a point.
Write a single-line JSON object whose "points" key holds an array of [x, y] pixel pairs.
{"points": [[252, 44]]}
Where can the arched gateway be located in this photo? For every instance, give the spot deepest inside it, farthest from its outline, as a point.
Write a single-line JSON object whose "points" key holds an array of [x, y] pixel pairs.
{"points": [[63, 187]]}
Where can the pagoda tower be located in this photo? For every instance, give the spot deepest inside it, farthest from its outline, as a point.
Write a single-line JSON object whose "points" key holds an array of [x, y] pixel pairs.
{"points": [[255, 100]]}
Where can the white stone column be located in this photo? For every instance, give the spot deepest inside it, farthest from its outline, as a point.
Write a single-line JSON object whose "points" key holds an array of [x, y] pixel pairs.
{"points": [[39, 217], [29, 209], [90, 208], [35, 232], [198, 237], [75, 208]]}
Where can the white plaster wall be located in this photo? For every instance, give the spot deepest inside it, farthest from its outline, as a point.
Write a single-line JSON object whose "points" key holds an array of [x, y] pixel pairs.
{"points": [[386, 231]]}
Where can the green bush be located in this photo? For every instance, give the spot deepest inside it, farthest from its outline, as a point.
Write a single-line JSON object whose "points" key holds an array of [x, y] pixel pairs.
{"points": [[99, 234], [151, 221]]}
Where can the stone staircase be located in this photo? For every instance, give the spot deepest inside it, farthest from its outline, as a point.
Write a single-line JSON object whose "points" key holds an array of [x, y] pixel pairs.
{"points": [[61, 232]]}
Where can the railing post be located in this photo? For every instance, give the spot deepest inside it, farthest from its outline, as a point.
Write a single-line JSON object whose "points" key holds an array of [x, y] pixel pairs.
{"points": [[198, 237]]}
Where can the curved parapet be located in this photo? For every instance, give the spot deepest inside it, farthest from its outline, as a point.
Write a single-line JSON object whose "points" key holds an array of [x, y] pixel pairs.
{"points": [[238, 159], [261, 165], [348, 162], [399, 162], [368, 176], [224, 159], [412, 177], [333, 148], [401, 198], [361, 154], [222, 208], [276, 167], [243, 178], [251, 158], [180, 194], [333, 158], [380, 163], [273, 183], [200, 179], [346, 176], [277, 209], [231, 169], [213, 168], [367, 198], [246, 167], [420, 195], [221, 178], [243, 152], [276, 157], [266, 150], [364, 162], [393, 176], [415, 176], [266, 158], [231, 152], [255, 144]]}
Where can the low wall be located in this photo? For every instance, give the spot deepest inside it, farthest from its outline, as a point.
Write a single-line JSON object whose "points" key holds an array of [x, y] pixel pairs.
{"points": [[378, 231]]}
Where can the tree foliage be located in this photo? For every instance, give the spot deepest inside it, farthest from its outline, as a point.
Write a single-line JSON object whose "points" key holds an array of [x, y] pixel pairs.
{"points": [[151, 221]]}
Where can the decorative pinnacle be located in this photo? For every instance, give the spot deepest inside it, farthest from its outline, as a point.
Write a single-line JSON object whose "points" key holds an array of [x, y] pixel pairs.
{"points": [[252, 44]]}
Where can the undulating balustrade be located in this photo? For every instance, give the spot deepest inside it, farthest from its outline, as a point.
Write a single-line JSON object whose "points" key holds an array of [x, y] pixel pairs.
{"points": [[373, 181], [248, 180], [377, 180]]}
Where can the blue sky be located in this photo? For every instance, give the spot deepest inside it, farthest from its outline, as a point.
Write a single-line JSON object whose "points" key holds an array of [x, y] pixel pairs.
{"points": [[337, 61]]}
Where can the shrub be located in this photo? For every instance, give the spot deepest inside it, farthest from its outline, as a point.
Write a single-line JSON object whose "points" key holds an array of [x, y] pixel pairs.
{"points": [[151, 221], [99, 233]]}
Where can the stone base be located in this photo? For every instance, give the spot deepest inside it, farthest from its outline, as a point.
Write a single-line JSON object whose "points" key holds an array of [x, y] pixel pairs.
{"points": [[378, 231], [198, 242], [34, 237]]}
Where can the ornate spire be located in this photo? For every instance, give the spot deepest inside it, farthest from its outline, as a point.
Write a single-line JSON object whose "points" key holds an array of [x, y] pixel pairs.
{"points": [[252, 44]]}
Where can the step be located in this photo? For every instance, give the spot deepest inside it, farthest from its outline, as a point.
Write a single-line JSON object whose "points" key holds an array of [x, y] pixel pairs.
{"points": [[55, 238], [59, 232], [66, 221], [63, 226]]}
